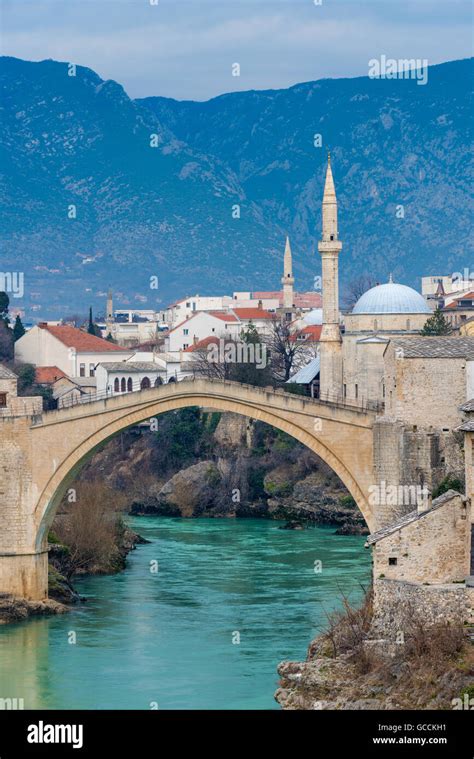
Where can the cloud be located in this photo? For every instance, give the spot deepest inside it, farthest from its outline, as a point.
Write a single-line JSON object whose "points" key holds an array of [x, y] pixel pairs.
{"points": [[185, 48]]}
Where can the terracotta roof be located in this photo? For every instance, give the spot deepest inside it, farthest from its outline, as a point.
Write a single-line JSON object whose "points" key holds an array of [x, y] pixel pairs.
{"points": [[202, 344], [222, 315], [303, 300], [226, 317], [312, 330], [252, 313], [465, 296], [45, 375], [81, 341]]}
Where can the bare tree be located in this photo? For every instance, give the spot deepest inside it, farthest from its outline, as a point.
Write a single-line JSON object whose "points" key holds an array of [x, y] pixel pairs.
{"points": [[209, 358], [355, 288], [286, 351]]}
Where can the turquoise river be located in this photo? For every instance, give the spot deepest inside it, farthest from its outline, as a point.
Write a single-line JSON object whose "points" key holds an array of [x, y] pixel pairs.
{"points": [[200, 619]]}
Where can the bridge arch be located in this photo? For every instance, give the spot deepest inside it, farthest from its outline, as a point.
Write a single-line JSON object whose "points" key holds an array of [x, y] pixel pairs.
{"points": [[154, 402]]}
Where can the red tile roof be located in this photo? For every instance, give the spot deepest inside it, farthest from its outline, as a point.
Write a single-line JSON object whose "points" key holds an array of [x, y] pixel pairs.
{"points": [[81, 341], [45, 375], [303, 300], [313, 332], [252, 313], [466, 296], [226, 317], [202, 344]]}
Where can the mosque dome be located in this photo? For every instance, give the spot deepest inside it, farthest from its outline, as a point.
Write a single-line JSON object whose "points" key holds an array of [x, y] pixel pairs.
{"points": [[391, 298], [313, 317]]}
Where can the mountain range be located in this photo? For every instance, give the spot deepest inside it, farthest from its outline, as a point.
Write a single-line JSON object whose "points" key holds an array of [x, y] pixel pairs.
{"points": [[99, 190]]}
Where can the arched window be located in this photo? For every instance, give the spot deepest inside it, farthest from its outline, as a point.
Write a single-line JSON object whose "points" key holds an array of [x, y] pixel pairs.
{"points": [[171, 379], [123, 385], [375, 325], [116, 385], [158, 382], [129, 385], [145, 383]]}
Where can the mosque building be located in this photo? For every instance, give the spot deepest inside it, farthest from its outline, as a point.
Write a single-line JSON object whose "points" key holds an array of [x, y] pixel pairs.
{"points": [[351, 362]]}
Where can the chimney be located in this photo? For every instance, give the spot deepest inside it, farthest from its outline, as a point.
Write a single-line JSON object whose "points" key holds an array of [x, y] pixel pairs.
{"points": [[260, 305], [42, 325], [195, 340]]}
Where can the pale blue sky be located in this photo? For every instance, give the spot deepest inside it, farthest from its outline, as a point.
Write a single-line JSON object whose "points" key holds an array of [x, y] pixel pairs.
{"points": [[185, 48]]}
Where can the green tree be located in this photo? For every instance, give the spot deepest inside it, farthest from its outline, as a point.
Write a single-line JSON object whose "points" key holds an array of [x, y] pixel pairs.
{"points": [[4, 304], [18, 329], [91, 327], [26, 378], [436, 325]]}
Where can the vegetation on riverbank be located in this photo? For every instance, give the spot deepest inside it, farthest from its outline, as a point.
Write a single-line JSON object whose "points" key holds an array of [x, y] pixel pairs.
{"points": [[429, 667]]}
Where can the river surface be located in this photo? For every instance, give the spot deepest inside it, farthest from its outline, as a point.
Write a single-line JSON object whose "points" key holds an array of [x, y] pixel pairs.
{"points": [[200, 619]]}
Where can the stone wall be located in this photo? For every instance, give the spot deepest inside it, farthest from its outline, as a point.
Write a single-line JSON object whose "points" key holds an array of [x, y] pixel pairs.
{"points": [[398, 604], [426, 392], [434, 547]]}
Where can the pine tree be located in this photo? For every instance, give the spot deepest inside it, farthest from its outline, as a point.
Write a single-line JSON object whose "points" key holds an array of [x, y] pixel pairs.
{"points": [[436, 325], [91, 327], [18, 329]]}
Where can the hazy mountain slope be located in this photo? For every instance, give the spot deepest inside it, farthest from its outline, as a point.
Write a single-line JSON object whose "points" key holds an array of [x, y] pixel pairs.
{"points": [[393, 143], [167, 211]]}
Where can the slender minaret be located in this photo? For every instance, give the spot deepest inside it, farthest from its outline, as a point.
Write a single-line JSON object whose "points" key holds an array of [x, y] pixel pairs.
{"points": [[329, 248], [109, 318], [287, 280]]}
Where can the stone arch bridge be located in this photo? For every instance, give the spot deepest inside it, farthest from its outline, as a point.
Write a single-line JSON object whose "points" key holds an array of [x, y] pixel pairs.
{"points": [[41, 455]]}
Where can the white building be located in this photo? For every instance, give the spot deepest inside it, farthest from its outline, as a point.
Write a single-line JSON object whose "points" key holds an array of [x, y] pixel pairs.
{"points": [[183, 309], [75, 352], [202, 325], [117, 377]]}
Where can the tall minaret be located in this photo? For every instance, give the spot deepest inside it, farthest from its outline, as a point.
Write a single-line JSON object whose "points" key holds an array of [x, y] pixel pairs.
{"points": [[287, 280], [329, 248]]}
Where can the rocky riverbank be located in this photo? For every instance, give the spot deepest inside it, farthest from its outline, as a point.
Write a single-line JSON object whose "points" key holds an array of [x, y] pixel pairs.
{"points": [[224, 465], [346, 668], [61, 591]]}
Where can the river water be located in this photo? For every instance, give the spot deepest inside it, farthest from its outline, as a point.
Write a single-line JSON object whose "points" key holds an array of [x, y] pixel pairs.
{"points": [[200, 619]]}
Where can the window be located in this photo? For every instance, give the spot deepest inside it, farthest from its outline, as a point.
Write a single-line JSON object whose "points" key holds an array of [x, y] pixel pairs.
{"points": [[158, 382], [3, 400], [188, 305], [356, 391], [408, 323], [185, 331], [123, 385], [129, 385], [116, 385], [91, 370], [392, 561], [145, 383], [185, 345], [82, 370]]}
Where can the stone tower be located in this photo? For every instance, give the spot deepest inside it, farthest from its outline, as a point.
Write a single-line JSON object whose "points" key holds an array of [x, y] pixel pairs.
{"points": [[109, 317], [287, 280], [330, 340]]}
